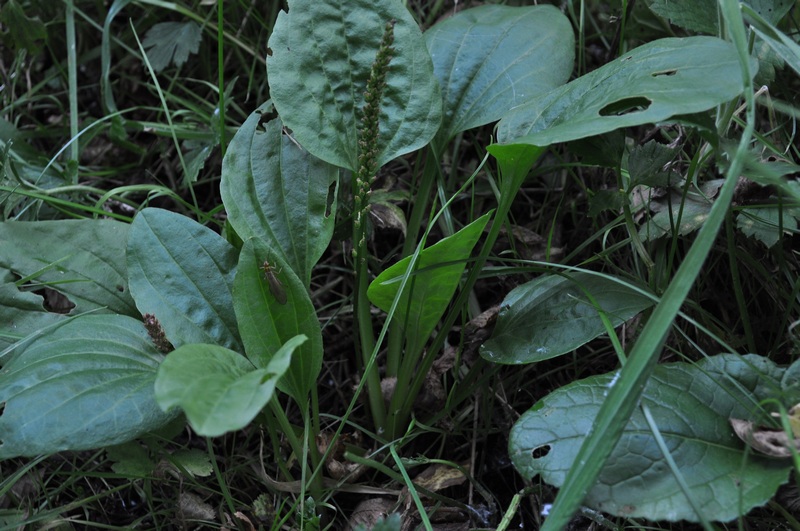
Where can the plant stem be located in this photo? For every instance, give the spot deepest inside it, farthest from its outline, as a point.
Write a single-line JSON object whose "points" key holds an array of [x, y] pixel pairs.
{"points": [[368, 146], [394, 353], [72, 73], [221, 73], [515, 163]]}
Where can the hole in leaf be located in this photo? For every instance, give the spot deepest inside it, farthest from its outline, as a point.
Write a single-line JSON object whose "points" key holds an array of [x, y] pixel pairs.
{"points": [[121, 289], [330, 199], [540, 452], [626, 106], [55, 301], [670, 72], [266, 117], [269, 51]]}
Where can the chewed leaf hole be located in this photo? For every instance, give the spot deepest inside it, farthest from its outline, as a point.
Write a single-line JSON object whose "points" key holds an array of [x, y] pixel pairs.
{"points": [[540, 451], [626, 106], [670, 72], [55, 301]]}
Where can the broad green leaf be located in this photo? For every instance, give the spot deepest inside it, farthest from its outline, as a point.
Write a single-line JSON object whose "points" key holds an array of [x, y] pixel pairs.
{"points": [[554, 314], [182, 273], [494, 57], [218, 389], [86, 384], [762, 223], [654, 82], [318, 63], [430, 287], [171, 42], [276, 191], [83, 259], [702, 15], [266, 323], [691, 404]]}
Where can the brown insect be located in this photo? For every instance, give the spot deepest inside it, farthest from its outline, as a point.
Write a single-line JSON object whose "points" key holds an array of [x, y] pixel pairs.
{"points": [[275, 286]]}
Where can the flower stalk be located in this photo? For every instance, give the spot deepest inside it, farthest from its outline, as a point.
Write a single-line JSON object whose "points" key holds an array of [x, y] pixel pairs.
{"points": [[369, 149]]}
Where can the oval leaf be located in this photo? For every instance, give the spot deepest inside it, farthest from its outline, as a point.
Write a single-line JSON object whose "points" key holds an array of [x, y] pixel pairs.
{"points": [[218, 389], [492, 58], [267, 321], [318, 63], [553, 315], [691, 404], [86, 384], [276, 191], [182, 273], [431, 286], [651, 83]]}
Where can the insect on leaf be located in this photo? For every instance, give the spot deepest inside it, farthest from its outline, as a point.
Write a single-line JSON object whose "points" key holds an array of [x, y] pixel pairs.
{"points": [[275, 286]]}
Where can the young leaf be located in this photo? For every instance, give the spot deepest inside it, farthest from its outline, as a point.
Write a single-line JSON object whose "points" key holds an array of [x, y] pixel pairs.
{"points": [[86, 384], [276, 191], [318, 62], [494, 57], [171, 41], [218, 389], [182, 273], [651, 83], [553, 315], [266, 322], [430, 287], [691, 404]]}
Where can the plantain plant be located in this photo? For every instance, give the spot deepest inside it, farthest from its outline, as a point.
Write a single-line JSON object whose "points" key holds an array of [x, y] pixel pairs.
{"points": [[231, 333]]}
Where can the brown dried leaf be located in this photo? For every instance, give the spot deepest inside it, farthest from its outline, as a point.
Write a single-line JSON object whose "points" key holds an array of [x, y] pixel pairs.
{"points": [[438, 476], [368, 512], [192, 507], [768, 441]]}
